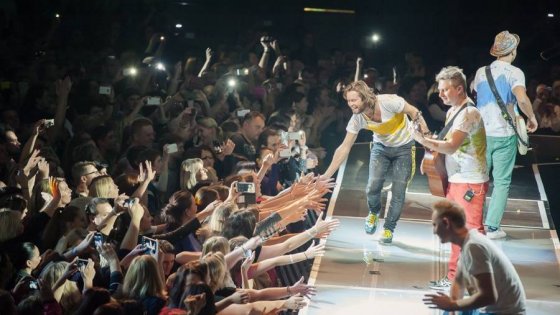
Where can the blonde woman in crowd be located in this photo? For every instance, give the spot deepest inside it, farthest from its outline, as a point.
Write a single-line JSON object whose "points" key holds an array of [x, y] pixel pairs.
{"points": [[144, 282], [193, 174]]}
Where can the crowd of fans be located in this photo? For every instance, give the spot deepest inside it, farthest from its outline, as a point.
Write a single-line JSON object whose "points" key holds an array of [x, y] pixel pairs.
{"points": [[142, 189]]}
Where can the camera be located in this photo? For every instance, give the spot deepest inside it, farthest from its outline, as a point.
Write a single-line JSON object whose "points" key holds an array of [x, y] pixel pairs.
{"points": [[246, 187], [217, 147], [242, 112], [49, 123], [128, 203], [172, 148], [153, 100], [104, 90]]}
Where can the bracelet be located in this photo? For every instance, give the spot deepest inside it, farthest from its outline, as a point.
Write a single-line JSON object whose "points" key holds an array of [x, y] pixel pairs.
{"points": [[288, 289], [304, 254], [291, 259]]}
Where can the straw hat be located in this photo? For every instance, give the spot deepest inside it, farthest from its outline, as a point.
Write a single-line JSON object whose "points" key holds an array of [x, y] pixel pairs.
{"points": [[504, 43]]}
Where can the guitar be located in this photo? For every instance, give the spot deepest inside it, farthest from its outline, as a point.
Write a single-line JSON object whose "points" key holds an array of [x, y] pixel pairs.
{"points": [[433, 166]]}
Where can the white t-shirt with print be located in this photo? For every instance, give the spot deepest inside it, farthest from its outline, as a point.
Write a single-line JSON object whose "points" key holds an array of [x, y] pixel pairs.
{"points": [[468, 163], [390, 105], [506, 78], [480, 255]]}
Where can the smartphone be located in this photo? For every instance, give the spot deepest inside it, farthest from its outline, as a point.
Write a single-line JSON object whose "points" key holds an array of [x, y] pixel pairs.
{"points": [[286, 153], [81, 262], [49, 123], [243, 71], [153, 100], [246, 187], [242, 112], [151, 245], [104, 90], [171, 148], [128, 203], [97, 239], [298, 135]]}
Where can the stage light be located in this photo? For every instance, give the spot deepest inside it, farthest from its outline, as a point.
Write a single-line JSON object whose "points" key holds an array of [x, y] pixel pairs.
{"points": [[232, 83], [160, 66], [375, 38], [324, 10], [550, 15], [162, 38], [57, 16], [178, 25]]}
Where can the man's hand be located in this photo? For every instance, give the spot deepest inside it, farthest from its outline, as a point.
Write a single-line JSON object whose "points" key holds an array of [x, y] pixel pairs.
{"points": [[63, 87], [532, 124], [209, 54], [440, 301]]}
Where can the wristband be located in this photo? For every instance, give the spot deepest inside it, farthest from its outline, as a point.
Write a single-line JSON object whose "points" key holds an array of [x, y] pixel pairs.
{"points": [[291, 259], [289, 292], [304, 254]]}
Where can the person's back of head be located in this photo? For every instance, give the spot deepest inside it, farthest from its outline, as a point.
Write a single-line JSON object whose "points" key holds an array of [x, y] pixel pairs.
{"points": [[240, 223], [111, 308], [92, 299], [7, 303], [32, 305], [132, 307], [450, 210], [143, 278]]}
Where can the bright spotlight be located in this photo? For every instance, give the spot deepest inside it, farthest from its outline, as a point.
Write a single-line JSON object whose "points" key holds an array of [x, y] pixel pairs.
{"points": [[162, 38], [550, 15], [232, 83], [160, 66], [57, 16], [375, 38], [178, 25]]}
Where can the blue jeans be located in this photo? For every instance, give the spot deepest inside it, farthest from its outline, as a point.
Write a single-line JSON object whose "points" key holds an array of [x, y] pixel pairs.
{"points": [[400, 158]]}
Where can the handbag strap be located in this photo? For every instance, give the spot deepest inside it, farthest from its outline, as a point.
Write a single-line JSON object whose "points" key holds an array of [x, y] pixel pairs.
{"points": [[448, 125], [502, 105]]}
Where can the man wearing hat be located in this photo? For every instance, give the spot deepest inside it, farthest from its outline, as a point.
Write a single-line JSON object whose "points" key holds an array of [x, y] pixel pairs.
{"points": [[501, 138]]}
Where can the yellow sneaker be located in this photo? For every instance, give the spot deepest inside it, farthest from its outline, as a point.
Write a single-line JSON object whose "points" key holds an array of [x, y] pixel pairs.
{"points": [[387, 237], [371, 223]]}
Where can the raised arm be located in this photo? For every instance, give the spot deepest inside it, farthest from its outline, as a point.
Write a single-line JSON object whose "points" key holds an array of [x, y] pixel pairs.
{"points": [[209, 54], [359, 65]]}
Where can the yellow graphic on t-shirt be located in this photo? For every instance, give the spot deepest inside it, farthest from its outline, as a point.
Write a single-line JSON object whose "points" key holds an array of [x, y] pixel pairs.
{"points": [[388, 127]]}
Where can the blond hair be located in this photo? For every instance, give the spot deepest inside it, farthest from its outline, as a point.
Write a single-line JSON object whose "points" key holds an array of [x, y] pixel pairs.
{"points": [[451, 210], [215, 244], [70, 296], [143, 278], [101, 187], [217, 270], [189, 169], [453, 74], [365, 92], [220, 215]]}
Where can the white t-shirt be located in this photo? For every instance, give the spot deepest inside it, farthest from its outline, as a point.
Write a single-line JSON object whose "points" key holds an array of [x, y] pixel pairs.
{"points": [[390, 105], [468, 163], [506, 78], [480, 255]]}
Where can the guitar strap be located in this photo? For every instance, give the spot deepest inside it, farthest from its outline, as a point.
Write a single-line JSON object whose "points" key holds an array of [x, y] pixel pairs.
{"points": [[502, 105], [448, 125]]}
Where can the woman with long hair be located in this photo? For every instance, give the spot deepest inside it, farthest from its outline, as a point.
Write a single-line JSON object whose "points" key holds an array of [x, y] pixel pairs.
{"points": [[63, 221], [144, 282], [193, 174], [103, 186]]}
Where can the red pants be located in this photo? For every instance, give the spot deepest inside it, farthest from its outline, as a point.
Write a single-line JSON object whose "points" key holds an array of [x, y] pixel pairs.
{"points": [[473, 212]]}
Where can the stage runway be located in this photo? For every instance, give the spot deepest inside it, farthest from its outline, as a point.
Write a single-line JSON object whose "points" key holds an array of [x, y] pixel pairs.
{"points": [[358, 275]]}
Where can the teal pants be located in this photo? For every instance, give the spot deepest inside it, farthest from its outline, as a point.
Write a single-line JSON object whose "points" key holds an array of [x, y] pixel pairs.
{"points": [[500, 159]]}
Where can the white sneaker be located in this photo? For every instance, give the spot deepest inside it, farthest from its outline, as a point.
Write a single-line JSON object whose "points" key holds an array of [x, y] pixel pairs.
{"points": [[499, 233]]}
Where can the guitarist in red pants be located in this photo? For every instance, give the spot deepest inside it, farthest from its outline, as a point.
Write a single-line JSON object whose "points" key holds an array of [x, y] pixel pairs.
{"points": [[464, 146]]}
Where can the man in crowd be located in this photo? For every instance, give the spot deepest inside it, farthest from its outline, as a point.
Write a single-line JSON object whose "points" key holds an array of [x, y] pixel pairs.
{"points": [[464, 145], [500, 136], [245, 140], [393, 148], [483, 270]]}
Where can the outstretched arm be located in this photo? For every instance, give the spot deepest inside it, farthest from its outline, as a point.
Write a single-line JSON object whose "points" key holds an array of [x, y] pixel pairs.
{"points": [[341, 153]]}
